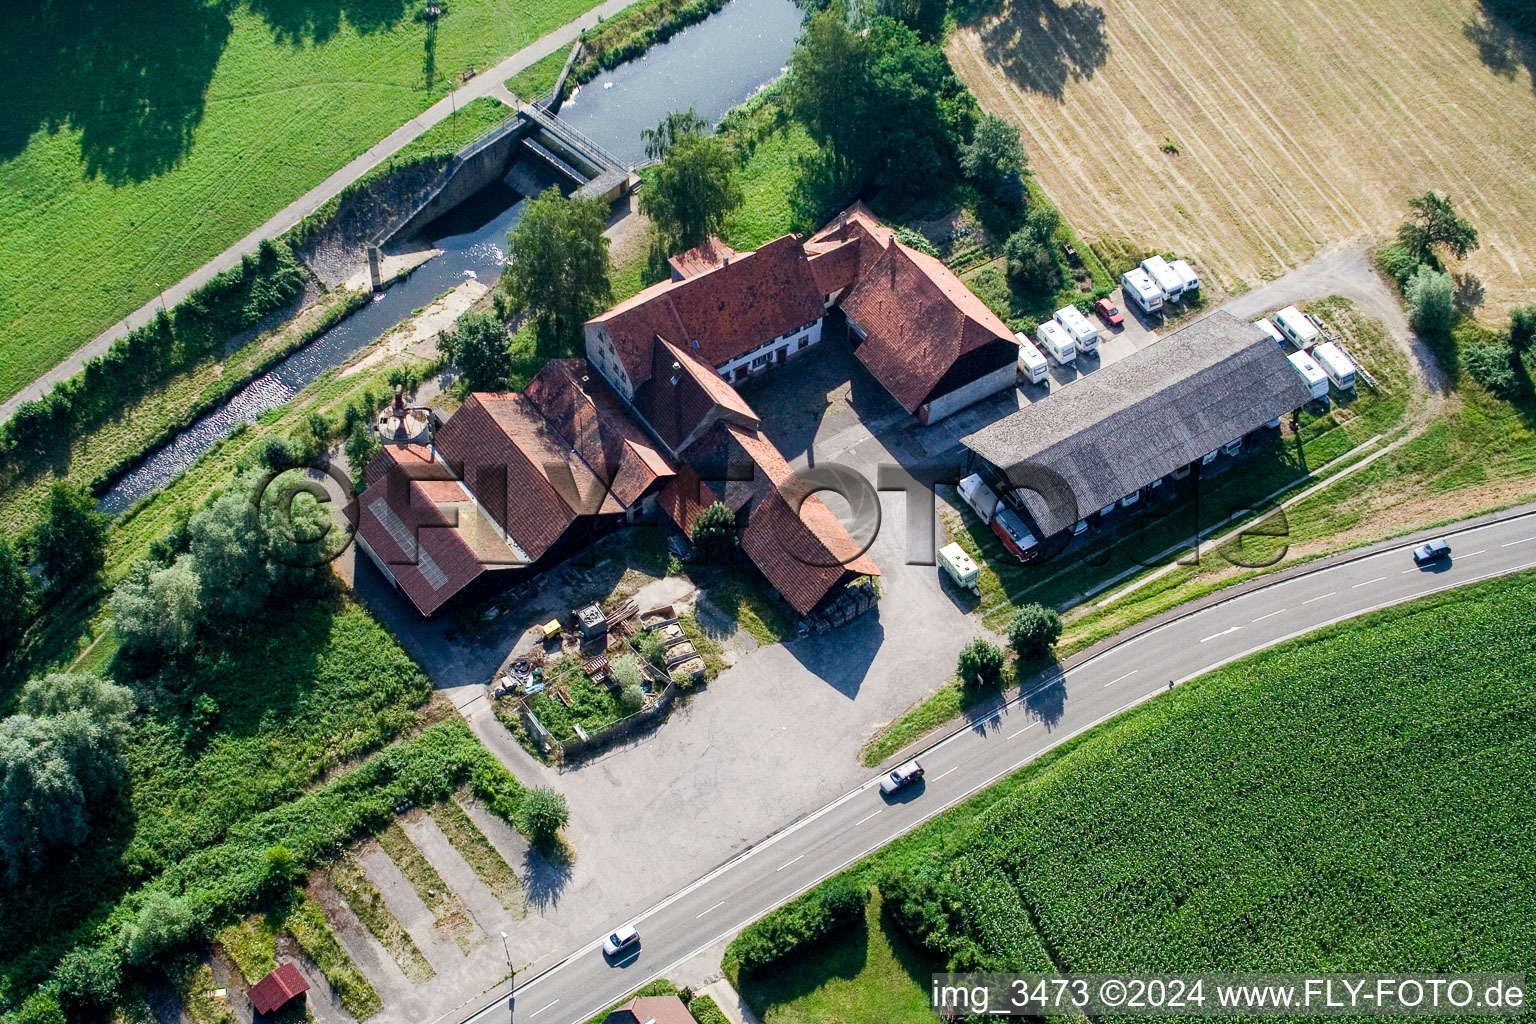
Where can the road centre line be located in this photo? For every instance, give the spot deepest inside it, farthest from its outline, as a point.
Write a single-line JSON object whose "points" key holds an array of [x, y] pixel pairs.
{"points": [[1469, 554], [865, 818], [701, 913], [1115, 680], [541, 1009], [1367, 583], [1319, 597], [936, 778], [1512, 543], [1213, 636], [1024, 730], [1270, 615], [787, 863]]}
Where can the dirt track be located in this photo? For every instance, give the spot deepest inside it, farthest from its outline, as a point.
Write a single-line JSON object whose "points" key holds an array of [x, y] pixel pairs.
{"points": [[1298, 124]]}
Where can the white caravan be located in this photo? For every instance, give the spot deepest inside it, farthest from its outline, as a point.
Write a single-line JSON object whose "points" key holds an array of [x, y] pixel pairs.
{"points": [[1296, 327], [1056, 342], [1080, 327], [1032, 364], [1338, 366], [1310, 372], [1142, 290], [1164, 277]]}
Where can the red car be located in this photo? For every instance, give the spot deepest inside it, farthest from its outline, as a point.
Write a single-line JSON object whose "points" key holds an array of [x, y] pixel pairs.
{"points": [[1107, 310]]}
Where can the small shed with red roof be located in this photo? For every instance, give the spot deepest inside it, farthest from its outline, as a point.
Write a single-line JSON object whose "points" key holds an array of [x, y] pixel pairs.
{"points": [[271, 993]]}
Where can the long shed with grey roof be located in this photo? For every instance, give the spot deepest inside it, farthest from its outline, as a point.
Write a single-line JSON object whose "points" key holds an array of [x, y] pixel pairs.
{"points": [[1118, 429]]}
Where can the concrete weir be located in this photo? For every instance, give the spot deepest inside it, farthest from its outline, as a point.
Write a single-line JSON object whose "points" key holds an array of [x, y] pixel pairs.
{"points": [[532, 135]]}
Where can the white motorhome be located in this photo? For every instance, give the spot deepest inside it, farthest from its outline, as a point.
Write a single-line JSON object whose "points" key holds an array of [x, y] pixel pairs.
{"points": [[975, 493], [1296, 327], [1164, 277], [1142, 290], [1187, 276], [1032, 365], [1310, 372], [1080, 327], [1338, 366], [1263, 324], [1056, 342]]}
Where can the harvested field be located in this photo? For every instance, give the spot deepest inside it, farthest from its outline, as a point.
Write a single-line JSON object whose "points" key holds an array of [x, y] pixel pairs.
{"points": [[1296, 124]]}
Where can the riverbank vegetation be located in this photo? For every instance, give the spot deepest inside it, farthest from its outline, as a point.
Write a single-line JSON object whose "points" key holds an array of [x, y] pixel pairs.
{"points": [[172, 131], [1389, 719]]}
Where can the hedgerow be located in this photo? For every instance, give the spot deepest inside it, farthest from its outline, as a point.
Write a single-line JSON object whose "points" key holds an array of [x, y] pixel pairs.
{"points": [[832, 905]]}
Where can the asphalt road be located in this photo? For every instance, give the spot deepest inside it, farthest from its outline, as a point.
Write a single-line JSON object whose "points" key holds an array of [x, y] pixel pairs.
{"points": [[861, 821]]}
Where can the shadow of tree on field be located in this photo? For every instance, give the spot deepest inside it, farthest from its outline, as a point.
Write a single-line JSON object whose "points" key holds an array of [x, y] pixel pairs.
{"points": [[1504, 32], [129, 77], [1041, 45], [301, 22]]}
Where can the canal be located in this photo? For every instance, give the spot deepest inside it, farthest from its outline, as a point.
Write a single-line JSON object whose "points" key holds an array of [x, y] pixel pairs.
{"points": [[711, 66]]}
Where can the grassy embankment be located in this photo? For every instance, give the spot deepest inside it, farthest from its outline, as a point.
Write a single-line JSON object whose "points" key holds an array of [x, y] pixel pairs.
{"points": [[173, 130], [1345, 801]]}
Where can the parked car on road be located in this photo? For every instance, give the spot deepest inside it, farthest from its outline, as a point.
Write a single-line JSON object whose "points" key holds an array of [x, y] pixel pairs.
{"points": [[1432, 551], [1107, 310], [621, 941], [901, 777]]}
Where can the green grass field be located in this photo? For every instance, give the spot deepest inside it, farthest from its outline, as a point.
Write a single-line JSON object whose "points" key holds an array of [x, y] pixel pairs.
{"points": [[138, 142], [868, 975], [1355, 799]]}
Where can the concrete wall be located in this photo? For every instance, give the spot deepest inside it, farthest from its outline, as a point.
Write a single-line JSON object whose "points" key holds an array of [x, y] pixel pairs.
{"points": [[968, 394], [467, 173]]}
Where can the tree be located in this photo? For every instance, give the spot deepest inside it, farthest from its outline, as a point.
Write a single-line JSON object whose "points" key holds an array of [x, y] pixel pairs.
{"points": [[714, 530], [1433, 223], [231, 558], [1033, 629], [994, 155], [15, 599], [981, 664], [1430, 298], [691, 191], [163, 922], [925, 17], [559, 269], [477, 345], [362, 445], [89, 976], [41, 1007], [70, 542], [828, 85], [916, 112], [676, 125], [542, 815], [59, 758], [159, 609], [1030, 255], [1522, 328]]}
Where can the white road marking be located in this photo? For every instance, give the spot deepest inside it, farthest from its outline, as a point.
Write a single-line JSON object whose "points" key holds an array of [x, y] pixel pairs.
{"points": [[787, 863], [1229, 629], [1271, 615], [1367, 583], [1405, 572], [701, 913], [1469, 554], [1512, 543], [864, 819], [1319, 597], [1024, 730], [541, 1009], [1115, 680], [936, 779]]}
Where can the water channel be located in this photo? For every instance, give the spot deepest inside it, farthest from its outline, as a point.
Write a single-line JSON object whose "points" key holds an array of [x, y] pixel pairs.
{"points": [[712, 66]]}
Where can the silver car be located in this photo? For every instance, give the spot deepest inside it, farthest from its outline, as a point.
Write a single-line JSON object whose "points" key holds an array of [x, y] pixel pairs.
{"points": [[901, 777], [621, 941]]}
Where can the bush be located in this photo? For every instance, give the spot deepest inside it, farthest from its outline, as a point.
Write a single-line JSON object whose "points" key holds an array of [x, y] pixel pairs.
{"points": [[626, 669], [543, 814], [1492, 364], [1033, 629], [88, 976], [649, 644], [631, 699], [43, 1007], [714, 530], [164, 922], [981, 664], [70, 543], [1430, 297], [705, 1011], [835, 904], [1397, 263]]}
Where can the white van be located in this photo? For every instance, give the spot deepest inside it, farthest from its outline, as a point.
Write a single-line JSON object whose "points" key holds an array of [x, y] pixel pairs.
{"points": [[1056, 342], [1188, 279], [1142, 290], [1263, 324], [1032, 365], [1080, 327], [979, 496], [1296, 327], [1163, 276], [1317, 380], [1338, 366]]}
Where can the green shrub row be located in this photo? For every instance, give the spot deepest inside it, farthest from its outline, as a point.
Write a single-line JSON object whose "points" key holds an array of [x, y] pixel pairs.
{"points": [[265, 281], [257, 859], [832, 905]]}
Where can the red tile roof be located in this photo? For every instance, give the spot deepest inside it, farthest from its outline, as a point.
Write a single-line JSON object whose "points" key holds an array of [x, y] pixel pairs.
{"points": [[588, 415], [655, 1009], [713, 253], [700, 397], [803, 556], [271, 992], [728, 310], [918, 320]]}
